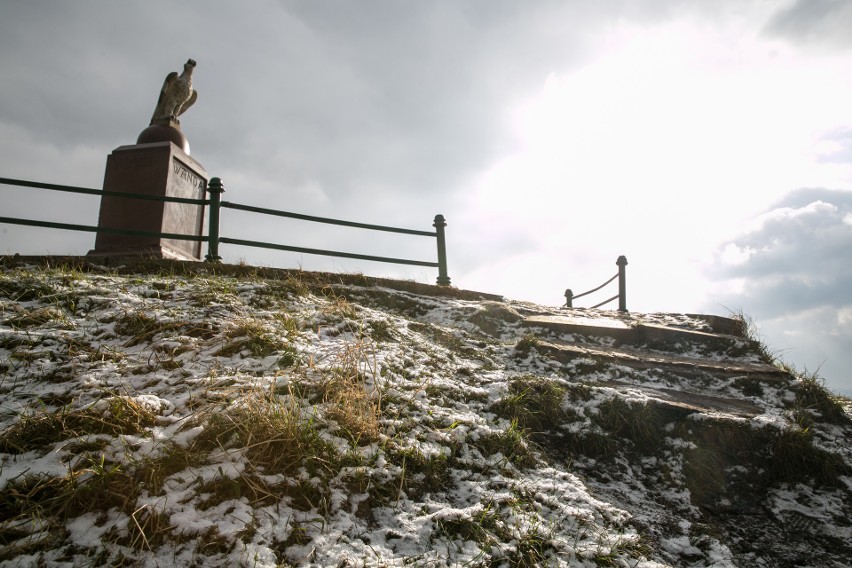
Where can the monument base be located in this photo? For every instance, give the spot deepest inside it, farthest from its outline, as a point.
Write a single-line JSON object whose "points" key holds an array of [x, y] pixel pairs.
{"points": [[162, 252], [159, 169]]}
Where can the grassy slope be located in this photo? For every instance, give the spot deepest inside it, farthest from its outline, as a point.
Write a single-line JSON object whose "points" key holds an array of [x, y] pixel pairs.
{"points": [[168, 414]]}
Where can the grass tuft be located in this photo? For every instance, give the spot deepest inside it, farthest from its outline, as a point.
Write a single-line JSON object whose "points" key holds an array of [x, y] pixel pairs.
{"points": [[765, 457], [534, 402], [640, 423], [20, 286], [271, 430], [813, 400], [525, 345], [43, 428], [347, 391], [422, 474], [26, 319], [253, 337], [139, 327], [513, 444], [754, 344], [46, 501]]}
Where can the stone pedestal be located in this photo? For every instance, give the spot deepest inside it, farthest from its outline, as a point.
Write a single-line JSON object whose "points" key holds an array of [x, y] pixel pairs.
{"points": [[156, 168]]}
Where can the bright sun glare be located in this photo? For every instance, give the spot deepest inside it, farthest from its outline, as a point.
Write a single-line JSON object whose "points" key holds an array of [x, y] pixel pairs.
{"points": [[664, 146]]}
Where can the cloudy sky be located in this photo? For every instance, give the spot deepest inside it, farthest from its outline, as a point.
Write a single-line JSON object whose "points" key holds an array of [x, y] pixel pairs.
{"points": [[709, 142]]}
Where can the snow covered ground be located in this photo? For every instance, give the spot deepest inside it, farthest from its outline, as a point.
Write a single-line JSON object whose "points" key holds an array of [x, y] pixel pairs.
{"points": [[177, 416]]}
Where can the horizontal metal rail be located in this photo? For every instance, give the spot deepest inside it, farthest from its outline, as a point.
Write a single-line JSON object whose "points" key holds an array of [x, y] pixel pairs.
{"points": [[102, 192], [53, 186], [325, 220], [214, 189], [91, 229], [322, 252], [604, 302]]}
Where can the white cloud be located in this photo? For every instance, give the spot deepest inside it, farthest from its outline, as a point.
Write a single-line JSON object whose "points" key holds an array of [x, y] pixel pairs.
{"points": [[734, 255], [844, 318], [796, 280]]}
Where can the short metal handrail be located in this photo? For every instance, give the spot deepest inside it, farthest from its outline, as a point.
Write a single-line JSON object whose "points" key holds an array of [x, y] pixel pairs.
{"points": [[622, 289], [215, 189]]}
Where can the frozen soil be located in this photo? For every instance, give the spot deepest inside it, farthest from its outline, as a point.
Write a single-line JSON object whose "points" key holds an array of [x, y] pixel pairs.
{"points": [[162, 414]]}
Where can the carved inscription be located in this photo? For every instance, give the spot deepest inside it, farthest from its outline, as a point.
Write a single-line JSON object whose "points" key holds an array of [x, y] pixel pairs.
{"points": [[187, 176], [185, 218]]}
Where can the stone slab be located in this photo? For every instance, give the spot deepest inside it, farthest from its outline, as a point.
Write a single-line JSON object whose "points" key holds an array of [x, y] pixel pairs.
{"points": [[643, 359], [620, 331], [602, 327], [689, 401]]}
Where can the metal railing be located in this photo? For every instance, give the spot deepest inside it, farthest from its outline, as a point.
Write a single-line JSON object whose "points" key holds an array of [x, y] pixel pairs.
{"points": [[215, 188], [101, 192], [622, 289]]}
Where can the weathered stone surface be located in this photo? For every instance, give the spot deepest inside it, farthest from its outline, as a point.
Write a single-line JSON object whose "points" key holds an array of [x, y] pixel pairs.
{"points": [[164, 133], [623, 332], [645, 359], [690, 401]]}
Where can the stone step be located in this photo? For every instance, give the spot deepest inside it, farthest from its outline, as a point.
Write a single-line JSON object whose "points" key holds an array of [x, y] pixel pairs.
{"points": [[625, 333], [644, 359], [687, 402]]}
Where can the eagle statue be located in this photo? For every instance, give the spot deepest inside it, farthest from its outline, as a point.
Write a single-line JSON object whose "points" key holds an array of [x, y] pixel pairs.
{"points": [[176, 96]]}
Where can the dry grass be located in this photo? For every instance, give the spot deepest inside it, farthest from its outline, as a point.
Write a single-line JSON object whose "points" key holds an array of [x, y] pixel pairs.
{"points": [[347, 394], [748, 330], [41, 429], [272, 430], [26, 319], [814, 401], [251, 336]]}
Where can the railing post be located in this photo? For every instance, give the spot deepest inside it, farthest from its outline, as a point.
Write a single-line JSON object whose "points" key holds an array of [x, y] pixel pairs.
{"points": [[569, 298], [439, 224], [215, 188], [622, 283]]}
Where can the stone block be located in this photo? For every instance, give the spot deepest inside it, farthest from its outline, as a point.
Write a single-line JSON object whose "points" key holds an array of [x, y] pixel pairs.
{"points": [[157, 169]]}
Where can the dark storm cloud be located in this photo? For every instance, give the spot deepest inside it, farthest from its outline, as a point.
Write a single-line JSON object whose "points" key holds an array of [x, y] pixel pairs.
{"points": [[371, 100], [373, 109], [378, 111], [72, 75], [825, 22], [423, 93], [798, 259], [407, 95]]}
